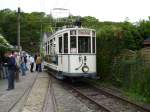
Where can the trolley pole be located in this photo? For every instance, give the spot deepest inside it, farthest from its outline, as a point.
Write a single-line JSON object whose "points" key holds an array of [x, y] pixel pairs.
{"points": [[18, 29]]}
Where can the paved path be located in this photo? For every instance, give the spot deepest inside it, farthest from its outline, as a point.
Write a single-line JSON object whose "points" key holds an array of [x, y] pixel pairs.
{"points": [[9, 98]]}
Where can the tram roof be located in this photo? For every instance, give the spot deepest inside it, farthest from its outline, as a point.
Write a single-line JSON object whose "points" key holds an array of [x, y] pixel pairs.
{"points": [[67, 29]]}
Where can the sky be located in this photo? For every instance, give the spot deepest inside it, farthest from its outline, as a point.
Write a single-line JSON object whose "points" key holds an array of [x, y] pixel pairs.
{"points": [[104, 10]]}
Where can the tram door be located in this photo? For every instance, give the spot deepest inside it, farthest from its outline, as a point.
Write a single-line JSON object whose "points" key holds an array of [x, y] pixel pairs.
{"points": [[63, 52], [65, 60]]}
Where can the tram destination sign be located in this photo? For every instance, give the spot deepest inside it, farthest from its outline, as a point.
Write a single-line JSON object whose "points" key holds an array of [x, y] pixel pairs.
{"points": [[84, 32]]}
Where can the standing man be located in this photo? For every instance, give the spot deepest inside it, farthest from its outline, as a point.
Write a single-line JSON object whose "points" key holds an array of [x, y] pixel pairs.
{"points": [[35, 57], [39, 62], [11, 70]]}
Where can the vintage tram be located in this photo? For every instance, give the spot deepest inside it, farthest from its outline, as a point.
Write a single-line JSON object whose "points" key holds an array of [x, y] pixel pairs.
{"points": [[71, 52]]}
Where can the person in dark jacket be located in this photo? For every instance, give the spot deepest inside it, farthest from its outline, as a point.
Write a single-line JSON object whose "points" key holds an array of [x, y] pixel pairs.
{"points": [[11, 64], [35, 57]]}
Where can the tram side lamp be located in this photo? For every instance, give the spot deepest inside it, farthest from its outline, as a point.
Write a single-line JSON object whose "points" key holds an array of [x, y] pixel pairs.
{"points": [[80, 58], [85, 58], [85, 69]]}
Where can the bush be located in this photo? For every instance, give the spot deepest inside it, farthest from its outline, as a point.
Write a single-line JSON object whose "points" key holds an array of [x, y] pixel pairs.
{"points": [[133, 76]]}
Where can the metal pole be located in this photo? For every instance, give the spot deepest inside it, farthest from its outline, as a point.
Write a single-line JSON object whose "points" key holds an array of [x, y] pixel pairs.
{"points": [[41, 34], [18, 38], [18, 29]]}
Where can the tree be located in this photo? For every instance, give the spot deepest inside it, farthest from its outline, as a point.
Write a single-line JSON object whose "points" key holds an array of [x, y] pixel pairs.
{"points": [[144, 28], [132, 38]]}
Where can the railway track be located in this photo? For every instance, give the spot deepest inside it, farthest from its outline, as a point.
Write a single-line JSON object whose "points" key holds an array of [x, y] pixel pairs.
{"points": [[122, 99], [109, 92], [86, 100], [105, 101], [50, 104], [82, 95]]}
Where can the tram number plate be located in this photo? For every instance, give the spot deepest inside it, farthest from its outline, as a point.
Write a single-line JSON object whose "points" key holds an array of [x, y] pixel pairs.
{"points": [[84, 32]]}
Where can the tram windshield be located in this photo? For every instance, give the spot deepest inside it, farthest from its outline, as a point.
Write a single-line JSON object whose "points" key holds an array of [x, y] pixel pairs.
{"points": [[84, 44], [73, 45]]}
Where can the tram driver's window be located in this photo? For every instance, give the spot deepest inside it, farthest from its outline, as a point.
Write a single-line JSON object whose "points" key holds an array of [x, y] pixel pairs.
{"points": [[66, 43], [73, 47], [84, 44], [93, 43]]}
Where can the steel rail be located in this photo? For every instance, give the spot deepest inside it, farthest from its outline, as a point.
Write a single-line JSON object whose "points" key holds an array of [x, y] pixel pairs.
{"points": [[50, 92]]}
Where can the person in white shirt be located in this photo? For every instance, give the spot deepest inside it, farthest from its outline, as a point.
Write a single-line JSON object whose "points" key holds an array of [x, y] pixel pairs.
{"points": [[17, 58], [31, 63]]}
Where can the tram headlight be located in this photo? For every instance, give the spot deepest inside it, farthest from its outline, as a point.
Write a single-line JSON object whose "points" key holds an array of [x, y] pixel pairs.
{"points": [[85, 69]]}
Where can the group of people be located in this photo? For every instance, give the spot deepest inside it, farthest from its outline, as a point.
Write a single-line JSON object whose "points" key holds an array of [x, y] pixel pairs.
{"points": [[13, 63]]}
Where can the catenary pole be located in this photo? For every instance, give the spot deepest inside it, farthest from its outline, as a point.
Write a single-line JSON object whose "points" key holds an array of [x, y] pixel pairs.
{"points": [[18, 29]]}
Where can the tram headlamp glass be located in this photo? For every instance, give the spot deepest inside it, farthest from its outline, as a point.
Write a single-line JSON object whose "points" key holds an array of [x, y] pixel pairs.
{"points": [[85, 69]]}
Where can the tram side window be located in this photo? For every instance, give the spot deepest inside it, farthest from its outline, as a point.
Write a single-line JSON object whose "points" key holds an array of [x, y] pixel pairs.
{"points": [[51, 47], [73, 44], [60, 44], [66, 43], [84, 44], [93, 43], [48, 48]]}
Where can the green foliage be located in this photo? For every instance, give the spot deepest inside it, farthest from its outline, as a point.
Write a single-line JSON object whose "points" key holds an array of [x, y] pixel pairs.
{"points": [[112, 38], [90, 22], [109, 44], [132, 37], [30, 28], [8, 25], [4, 45], [133, 76], [144, 27]]}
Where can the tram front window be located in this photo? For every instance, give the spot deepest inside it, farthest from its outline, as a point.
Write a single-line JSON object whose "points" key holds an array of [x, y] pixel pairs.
{"points": [[73, 48], [84, 44]]}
